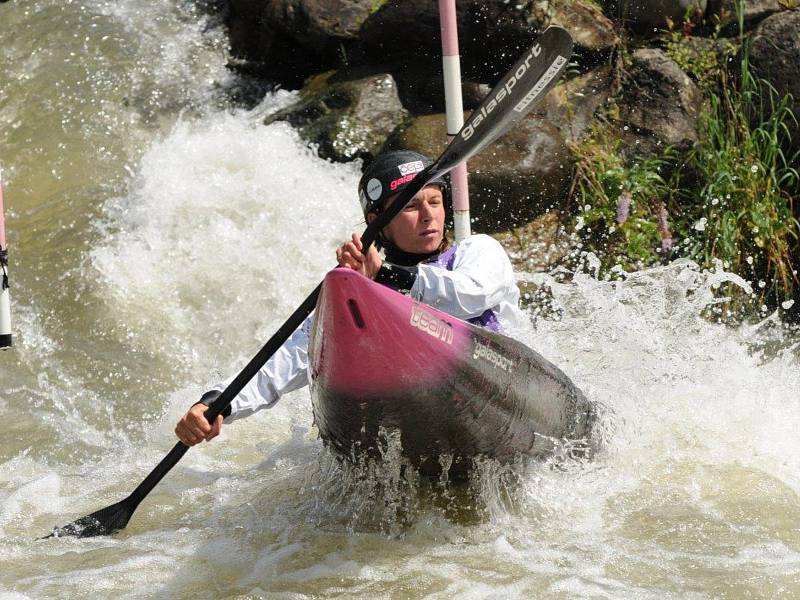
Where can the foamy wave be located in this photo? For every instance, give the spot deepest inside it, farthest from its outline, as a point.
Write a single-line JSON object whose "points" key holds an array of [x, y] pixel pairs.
{"points": [[228, 226]]}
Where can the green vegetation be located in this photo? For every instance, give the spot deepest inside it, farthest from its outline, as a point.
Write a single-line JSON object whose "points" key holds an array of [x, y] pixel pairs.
{"points": [[704, 59], [376, 5], [745, 200], [730, 200], [623, 206]]}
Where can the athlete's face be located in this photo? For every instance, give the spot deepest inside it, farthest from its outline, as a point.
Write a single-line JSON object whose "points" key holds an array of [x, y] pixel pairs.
{"points": [[419, 227]]}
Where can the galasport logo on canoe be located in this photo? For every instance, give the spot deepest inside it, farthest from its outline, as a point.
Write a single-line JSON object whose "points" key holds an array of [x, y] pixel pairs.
{"points": [[552, 71], [425, 321], [485, 352], [408, 171]]}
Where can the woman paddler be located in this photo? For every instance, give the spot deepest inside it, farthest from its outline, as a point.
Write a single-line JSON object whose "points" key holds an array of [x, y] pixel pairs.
{"points": [[472, 280]]}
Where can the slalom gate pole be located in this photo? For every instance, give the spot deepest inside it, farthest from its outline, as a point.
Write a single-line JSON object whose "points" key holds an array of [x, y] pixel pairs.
{"points": [[451, 63], [5, 299]]}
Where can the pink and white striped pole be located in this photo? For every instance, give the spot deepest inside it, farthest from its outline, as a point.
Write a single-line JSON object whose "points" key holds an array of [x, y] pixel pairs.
{"points": [[455, 113], [5, 300]]}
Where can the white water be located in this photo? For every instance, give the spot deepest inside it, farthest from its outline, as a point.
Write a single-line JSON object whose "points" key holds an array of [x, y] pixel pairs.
{"points": [[220, 228]]}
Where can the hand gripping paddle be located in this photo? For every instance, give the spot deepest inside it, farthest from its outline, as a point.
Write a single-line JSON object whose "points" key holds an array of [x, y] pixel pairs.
{"points": [[512, 98]]}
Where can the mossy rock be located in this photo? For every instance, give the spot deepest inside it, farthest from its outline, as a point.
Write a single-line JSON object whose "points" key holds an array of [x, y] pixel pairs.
{"points": [[512, 181], [345, 118]]}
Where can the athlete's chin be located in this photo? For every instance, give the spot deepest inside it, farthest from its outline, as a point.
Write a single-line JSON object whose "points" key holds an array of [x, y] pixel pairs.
{"points": [[421, 245], [428, 243]]}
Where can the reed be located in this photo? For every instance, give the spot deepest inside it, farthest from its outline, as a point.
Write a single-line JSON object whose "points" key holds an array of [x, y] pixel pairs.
{"points": [[744, 207]]}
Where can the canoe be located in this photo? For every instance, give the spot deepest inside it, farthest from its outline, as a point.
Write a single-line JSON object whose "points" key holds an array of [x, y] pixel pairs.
{"points": [[383, 364]]}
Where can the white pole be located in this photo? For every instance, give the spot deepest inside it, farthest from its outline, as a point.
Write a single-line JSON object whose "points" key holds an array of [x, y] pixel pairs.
{"points": [[5, 300], [451, 64]]}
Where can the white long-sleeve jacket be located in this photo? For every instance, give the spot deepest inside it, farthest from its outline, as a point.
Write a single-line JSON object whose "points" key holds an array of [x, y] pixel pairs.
{"points": [[471, 281]]}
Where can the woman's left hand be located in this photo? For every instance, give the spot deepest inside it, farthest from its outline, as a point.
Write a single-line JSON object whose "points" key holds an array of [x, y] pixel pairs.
{"points": [[350, 256]]}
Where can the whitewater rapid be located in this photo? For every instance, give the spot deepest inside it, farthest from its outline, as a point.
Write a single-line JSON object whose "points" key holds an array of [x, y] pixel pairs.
{"points": [[148, 272]]}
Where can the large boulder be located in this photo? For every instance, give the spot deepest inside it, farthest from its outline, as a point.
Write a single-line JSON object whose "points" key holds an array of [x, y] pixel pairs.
{"points": [[492, 33], [573, 103], [648, 15], [660, 104], [755, 11], [512, 181], [408, 32], [492, 36], [287, 40], [775, 57], [345, 118], [592, 31]]}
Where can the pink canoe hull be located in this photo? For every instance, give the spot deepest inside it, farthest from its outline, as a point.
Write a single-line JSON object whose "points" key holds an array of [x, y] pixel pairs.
{"points": [[382, 362]]}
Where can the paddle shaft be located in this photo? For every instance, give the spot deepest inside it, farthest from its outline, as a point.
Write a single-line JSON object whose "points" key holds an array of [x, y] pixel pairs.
{"points": [[228, 394]]}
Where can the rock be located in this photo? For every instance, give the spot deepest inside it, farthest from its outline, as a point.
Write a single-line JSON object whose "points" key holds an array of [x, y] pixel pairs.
{"points": [[430, 98], [422, 92], [409, 30], [775, 56], [755, 11], [519, 177], [286, 40], [537, 246], [590, 28], [648, 15], [660, 104], [703, 53], [346, 119], [572, 104], [492, 36], [406, 28], [407, 34], [499, 27]]}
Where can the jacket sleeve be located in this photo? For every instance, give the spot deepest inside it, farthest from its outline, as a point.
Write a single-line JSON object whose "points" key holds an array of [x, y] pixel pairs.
{"points": [[285, 372], [481, 278]]}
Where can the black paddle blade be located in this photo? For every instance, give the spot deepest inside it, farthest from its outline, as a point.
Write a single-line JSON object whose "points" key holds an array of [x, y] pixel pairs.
{"points": [[522, 88], [103, 522]]}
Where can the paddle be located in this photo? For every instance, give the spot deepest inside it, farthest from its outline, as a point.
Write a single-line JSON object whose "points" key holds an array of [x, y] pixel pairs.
{"points": [[512, 98]]}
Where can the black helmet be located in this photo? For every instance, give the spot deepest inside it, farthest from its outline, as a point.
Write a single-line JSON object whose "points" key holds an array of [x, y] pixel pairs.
{"points": [[389, 173]]}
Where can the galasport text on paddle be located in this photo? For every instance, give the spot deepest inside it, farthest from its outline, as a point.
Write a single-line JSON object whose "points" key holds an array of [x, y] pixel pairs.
{"points": [[512, 98]]}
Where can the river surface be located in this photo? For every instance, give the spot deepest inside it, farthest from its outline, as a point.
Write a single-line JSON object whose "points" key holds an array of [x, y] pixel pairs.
{"points": [[158, 236]]}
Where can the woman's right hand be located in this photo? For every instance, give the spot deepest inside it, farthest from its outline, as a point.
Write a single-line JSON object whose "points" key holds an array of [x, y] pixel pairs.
{"points": [[349, 255], [193, 427]]}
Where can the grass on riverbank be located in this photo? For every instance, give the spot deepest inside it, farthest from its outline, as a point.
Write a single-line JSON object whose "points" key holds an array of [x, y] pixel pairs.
{"points": [[729, 201], [622, 207], [744, 204]]}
